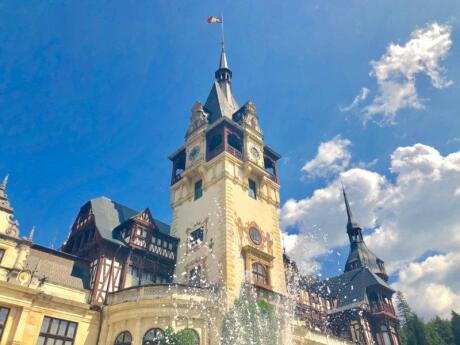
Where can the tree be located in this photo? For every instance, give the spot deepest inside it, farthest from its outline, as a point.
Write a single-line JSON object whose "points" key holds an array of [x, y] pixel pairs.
{"points": [[184, 337], [415, 331], [404, 310], [250, 323], [455, 324], [439, 332]]}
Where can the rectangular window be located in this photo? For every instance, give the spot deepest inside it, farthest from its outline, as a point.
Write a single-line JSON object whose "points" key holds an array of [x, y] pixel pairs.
{"points": [[198, 189], [2, 254], [196, 237], [252, 189], [194, 278], [3, 316], [57, 331]]}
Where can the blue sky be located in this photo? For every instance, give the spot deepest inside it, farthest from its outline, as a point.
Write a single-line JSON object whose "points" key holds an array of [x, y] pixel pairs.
{"points": [[94, 95]]}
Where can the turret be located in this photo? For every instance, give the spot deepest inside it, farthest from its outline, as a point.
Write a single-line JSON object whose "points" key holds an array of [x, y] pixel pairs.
{"points": [[360, 255]]}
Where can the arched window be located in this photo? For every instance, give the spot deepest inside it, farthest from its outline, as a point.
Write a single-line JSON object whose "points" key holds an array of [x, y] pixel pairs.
{"points": [[153, 337], [195, 334], [124, 338], [259, 273]]}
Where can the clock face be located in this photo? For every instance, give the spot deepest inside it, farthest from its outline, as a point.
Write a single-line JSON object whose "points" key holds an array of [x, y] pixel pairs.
{"points": [[255, 152], [194, 152]]}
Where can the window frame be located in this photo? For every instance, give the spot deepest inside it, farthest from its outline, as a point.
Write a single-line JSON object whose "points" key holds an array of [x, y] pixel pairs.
{"points": [[124, 342], [2, 254], [195, 279], [3, 323], [253, 230], [252, 189], [48, 335], [195, 241], [257, 274], [198, 192], [155, 341]]}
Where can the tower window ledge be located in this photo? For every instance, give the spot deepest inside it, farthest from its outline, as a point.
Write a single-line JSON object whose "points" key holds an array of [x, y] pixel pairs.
{"points": [[249, 250]]}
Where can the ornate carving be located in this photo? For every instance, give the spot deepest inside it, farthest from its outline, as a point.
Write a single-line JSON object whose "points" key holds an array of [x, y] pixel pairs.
{"points": [[247, 116], [199, 118]]}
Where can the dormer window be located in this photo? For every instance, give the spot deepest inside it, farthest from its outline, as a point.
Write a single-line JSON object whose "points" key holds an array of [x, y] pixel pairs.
{"points": [[140, 236]]}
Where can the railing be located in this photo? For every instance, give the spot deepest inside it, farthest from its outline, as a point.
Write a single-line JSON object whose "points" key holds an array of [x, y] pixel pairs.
{"points": [[156, 291], [234, 152], [377, 308]]}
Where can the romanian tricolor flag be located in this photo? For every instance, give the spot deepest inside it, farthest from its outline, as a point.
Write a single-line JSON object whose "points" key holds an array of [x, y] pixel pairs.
{"points": [[213, 20]]}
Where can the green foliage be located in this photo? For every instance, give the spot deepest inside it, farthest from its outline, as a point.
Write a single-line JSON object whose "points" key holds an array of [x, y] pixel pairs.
{"points": [[251, 323], [403, 307], [439, 332], [184, 337], [415, 331], [435, 332], [455, 324]]}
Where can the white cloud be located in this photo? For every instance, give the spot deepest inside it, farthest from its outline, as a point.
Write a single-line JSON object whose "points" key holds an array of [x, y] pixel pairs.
{"points": [[361, 97], [332, 157], [435, 281], [396, 72], [416, 214]]}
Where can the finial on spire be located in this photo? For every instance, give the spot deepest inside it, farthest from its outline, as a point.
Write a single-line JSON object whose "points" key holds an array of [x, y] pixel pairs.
{"points": [[31, 234], [5, 182]]}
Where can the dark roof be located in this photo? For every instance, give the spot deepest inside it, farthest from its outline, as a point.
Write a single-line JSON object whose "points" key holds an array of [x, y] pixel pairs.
{"points": [[58, 267], [361, 253], [220, 102], [350, 288], [109, 214]]}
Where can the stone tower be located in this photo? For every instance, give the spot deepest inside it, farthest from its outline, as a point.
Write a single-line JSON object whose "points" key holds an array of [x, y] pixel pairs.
{"points": [[225, 197]]}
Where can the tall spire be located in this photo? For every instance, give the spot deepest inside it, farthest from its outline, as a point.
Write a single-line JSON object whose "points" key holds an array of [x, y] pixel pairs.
{"points": [[223, 74], [351, 222], [353, 229], [221, 102], [223, 58]]}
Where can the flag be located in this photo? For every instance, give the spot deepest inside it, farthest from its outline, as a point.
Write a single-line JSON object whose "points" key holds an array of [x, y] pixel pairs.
{"points": [[212, 20]]}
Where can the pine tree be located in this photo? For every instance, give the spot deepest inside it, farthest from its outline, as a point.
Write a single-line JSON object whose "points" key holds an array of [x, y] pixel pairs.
{"points": [[404, 310], [415, 331], [455, 324], [439, 332]]}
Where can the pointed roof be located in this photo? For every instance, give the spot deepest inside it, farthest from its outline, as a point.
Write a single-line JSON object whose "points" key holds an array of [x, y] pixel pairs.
{"points": [[351, 223], [350, 288], [109, 214], [360, 255], [223, 59], [221, 102]]}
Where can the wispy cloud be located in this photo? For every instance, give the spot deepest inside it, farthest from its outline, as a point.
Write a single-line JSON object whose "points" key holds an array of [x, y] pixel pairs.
{"points": [[396, 71], [361, 97]]}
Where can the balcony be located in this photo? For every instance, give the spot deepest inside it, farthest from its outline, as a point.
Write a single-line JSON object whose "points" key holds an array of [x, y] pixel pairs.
{"points": [[157, 291], [382, 309]]}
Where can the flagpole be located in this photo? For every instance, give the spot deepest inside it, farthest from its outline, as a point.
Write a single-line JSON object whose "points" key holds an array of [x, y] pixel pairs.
{"points": [[222, 31]]}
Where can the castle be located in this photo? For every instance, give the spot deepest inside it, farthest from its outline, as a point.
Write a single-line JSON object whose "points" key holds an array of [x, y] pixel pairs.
{"points": [[122, 276]]}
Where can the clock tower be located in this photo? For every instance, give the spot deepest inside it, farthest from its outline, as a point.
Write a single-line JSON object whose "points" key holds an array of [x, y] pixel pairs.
{"points": [[225, 197]]}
